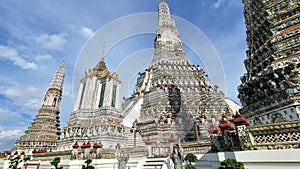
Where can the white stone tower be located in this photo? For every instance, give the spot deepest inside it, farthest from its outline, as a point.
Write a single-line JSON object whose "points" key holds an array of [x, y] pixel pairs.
{"points": [[44, 131], [96, 116]]}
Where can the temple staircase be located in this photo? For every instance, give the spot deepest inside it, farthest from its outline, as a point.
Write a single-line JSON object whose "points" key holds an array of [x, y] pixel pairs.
{"points": [[129, 133], [156, 163], [132, 111]]}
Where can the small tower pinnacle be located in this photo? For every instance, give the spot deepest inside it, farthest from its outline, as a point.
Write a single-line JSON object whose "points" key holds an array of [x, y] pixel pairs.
{"points": [[103, 51], [167, 37], [101, 64], [58, 78], [54, 93]]}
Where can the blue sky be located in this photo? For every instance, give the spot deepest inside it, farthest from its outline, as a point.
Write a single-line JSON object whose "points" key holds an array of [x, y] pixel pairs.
{"points": [[35, 36]]}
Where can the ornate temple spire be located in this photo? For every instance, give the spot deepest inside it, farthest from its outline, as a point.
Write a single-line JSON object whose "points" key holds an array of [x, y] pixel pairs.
{"points": [[44, 130], [164, 16], [168, 46], [101, 64], [58, 78], [168, 95], [54, 93]]}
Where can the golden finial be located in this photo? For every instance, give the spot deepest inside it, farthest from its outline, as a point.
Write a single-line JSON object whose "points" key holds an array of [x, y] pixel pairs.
{"points": [[103, 49], [63, 63]]}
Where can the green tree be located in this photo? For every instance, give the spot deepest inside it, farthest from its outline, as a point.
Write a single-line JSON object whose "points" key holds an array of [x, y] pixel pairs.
{"points": [[16, 161], [55, 163], [191, 158], [88, 164], [231, 164]]}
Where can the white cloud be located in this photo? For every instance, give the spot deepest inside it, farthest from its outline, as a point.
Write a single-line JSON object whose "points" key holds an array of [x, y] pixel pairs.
{"points": [[8, 137], [87, 32], [53, 42], [228, 3], [7, 115], [43, 57], [10, 134], [11, 54], [29, 98]]}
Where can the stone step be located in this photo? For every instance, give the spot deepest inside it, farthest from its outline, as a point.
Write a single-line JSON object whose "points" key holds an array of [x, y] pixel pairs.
{"points": [[130, 139], [154, 163]]}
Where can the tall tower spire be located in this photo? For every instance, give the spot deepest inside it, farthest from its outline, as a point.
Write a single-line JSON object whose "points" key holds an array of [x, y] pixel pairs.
{"points": [[44, 130], [168, 46], [172, 94], [58, 78], [54, 93], [164, 16]]}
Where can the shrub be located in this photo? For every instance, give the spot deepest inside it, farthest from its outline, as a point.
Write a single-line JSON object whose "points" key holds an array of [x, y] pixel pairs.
{"points": [[191, 158], [55, 163], [88, 166], [16, 161], [231, 164]]}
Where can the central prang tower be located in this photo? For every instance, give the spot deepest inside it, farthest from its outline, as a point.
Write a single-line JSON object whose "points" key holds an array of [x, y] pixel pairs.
{"points": [[173, 99]]}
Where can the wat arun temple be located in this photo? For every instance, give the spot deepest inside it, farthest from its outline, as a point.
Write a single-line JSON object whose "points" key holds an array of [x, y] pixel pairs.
{"points": [[174, 109]]}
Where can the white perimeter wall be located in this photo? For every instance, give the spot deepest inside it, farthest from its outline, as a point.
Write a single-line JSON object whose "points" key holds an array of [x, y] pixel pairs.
{"points": [[268, 159], [260, 159]]}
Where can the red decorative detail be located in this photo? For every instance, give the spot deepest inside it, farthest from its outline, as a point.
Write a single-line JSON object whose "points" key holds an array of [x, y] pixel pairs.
{"points": [[22, 153], [203, 116], [88, 145], [75, 146], [172, 138], [16, 153], [239, 120], [161, 117], [34, 151], [168, 116], [41, 151], [224, 116], [96, 146], [213, 129], [83, 145], [118, 146], [224, 124], [148, 141]]}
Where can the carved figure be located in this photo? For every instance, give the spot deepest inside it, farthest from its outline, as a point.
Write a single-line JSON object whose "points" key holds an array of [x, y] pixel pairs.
{"points": [[122, 158], [177, 157]]}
